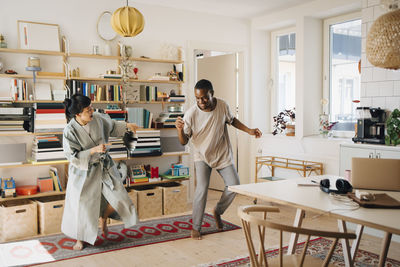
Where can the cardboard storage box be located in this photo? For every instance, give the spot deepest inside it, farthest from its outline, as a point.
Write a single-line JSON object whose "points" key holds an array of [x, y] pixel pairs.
{"points": [[174, 198], [50, 212], [149, 200], [18, 219], [133, 196]]}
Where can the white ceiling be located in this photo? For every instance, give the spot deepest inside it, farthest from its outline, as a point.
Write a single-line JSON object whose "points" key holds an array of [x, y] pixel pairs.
{"points": [[231, 8]]}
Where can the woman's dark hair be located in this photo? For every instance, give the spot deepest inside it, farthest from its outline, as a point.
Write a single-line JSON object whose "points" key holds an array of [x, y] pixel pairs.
{"points": [[75, 105], [204, 85]]}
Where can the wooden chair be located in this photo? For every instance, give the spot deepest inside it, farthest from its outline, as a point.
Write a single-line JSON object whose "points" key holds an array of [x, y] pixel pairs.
{"points": [[247, 215]]}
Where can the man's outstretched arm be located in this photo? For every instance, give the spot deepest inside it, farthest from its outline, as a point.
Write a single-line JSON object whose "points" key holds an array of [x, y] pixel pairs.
{"points": [[238, 125]]}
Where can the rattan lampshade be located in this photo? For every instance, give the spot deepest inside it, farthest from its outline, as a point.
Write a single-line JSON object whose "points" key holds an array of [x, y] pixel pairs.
{"points": [[127, 21], [383, 41]]}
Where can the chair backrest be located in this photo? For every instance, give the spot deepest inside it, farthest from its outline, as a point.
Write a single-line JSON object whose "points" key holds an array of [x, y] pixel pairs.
{"points": [[248, 217]]}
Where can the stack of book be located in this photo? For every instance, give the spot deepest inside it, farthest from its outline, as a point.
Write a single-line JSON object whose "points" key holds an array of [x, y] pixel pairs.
{"points": [[176, 98], [46, 148], [148, 144], [116, 114], [56, 179], [169, 118], [142, 117], [19, 89], [95, 92], [117, 148], [12, 120], [50, 117], [148, 93]]}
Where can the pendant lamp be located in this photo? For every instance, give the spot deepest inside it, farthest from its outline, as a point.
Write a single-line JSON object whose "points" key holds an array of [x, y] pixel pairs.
{"points": [[127, 21], [383, 40]]}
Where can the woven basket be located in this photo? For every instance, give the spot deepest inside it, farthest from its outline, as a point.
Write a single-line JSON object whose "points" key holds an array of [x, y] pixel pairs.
{"points": [[18, 219], [383, 41], [50, 213], [149, 202], [174, 198]]}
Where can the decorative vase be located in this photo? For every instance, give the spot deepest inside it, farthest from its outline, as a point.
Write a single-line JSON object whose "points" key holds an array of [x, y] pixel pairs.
{"points": [[290, 130], [324, 124]]}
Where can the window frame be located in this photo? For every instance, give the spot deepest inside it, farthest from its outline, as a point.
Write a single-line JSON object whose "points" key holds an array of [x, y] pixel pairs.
{"points": [[326, 92], [274, 68]]}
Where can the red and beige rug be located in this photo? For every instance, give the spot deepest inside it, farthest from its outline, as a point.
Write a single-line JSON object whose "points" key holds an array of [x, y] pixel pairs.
{"points": [[319, 248], [59, 247]]}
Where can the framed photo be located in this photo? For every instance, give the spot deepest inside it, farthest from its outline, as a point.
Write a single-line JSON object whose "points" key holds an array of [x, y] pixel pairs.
{"points": [[38, 36]]}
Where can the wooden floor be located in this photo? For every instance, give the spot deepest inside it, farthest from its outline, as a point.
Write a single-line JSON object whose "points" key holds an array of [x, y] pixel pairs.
{"points": [[214, 247]]}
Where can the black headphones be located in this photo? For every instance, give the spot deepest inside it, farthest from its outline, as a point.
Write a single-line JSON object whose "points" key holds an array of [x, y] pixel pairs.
{"points": [[343, 186]]}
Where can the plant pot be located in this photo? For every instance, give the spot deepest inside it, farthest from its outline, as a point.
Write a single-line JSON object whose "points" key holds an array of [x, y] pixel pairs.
{"points": [[290, 130]]}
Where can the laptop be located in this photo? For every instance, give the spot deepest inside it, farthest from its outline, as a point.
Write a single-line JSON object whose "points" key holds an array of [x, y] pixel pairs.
{"points": [[378, 174]]}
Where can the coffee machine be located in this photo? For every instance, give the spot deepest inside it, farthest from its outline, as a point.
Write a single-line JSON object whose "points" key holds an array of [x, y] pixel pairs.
{"points": [[370, 125]]}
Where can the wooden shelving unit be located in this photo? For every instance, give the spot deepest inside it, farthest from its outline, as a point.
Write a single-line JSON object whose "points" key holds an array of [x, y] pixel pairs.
{"points": [[31, 51], [164, 181], [29, 76], [176, 156], [58, 162], [46, 194], [92, 56], [303, 167]]}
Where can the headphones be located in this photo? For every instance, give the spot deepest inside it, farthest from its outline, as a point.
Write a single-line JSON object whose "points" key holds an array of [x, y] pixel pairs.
{"points": [[343, 186]]}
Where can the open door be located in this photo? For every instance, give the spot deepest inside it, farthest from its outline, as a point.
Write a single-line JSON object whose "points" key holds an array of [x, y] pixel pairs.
{"points": [[221, 71]]}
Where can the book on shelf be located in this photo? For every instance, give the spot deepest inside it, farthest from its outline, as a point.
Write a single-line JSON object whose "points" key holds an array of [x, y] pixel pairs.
{"points": [[56, 179], [45, 184]]}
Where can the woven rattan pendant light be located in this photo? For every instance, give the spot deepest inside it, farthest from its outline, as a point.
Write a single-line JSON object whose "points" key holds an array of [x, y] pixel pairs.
{"points": [[127, 21], [383, 41]]}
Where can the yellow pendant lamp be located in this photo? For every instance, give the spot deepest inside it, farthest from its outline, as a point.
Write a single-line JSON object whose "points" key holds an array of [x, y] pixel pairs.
{"points": [[127, 21], [383, 41]]}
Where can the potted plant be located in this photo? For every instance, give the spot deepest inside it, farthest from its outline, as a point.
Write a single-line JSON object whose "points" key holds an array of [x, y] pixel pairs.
{"points": [[393, 128], [284, 121]]}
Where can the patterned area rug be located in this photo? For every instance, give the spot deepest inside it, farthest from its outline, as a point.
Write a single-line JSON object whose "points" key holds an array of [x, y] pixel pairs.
{"points": [[59, 247], [318, 248]]}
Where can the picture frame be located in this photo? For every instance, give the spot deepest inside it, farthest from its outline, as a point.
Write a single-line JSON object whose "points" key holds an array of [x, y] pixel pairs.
{"points": [[38, 36]]}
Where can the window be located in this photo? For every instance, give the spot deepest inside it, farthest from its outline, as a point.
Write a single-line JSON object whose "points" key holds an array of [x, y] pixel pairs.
{"points": [[283, 70], [342, 79]]}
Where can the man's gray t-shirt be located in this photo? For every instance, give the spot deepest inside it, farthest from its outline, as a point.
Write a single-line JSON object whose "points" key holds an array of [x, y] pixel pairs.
{"points": [[209, 134]]}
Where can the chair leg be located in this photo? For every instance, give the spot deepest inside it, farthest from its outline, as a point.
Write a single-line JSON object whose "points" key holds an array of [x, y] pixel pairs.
{"points": [[330, 253], [303, 254], [249, 241], [261, 257]]}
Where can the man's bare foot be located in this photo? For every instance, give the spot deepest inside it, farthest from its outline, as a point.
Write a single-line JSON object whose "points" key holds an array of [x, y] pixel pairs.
{"points": [[103, 226], [218, 220], [78, 245], [196, 235]]}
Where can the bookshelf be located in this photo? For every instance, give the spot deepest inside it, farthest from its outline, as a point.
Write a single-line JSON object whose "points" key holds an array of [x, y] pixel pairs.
{"points": [[91, 60]]}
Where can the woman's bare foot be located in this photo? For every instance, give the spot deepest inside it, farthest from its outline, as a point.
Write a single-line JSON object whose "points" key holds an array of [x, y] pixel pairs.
{"points": [[104, 228], [78, 245], [196, 235]]}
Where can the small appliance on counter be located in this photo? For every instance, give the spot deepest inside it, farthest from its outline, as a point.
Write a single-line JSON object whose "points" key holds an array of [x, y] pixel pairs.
{"points": [[370, 125]]}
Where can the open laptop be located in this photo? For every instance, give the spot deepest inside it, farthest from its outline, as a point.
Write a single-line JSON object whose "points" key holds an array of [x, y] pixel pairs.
{"points": [[378, 174]]}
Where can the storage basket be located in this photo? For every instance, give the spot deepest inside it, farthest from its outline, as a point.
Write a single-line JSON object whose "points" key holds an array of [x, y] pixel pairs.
{"points": [[174, 198], [50, 212], [18, 219], [149, 200]]}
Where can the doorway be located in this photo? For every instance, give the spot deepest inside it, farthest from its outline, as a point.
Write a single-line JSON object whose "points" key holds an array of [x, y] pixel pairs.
{"points": [[222, 69]]}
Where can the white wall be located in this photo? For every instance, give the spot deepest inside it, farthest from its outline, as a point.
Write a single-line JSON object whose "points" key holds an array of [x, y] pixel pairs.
{"points": [[379, 87], [77, 21]]}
